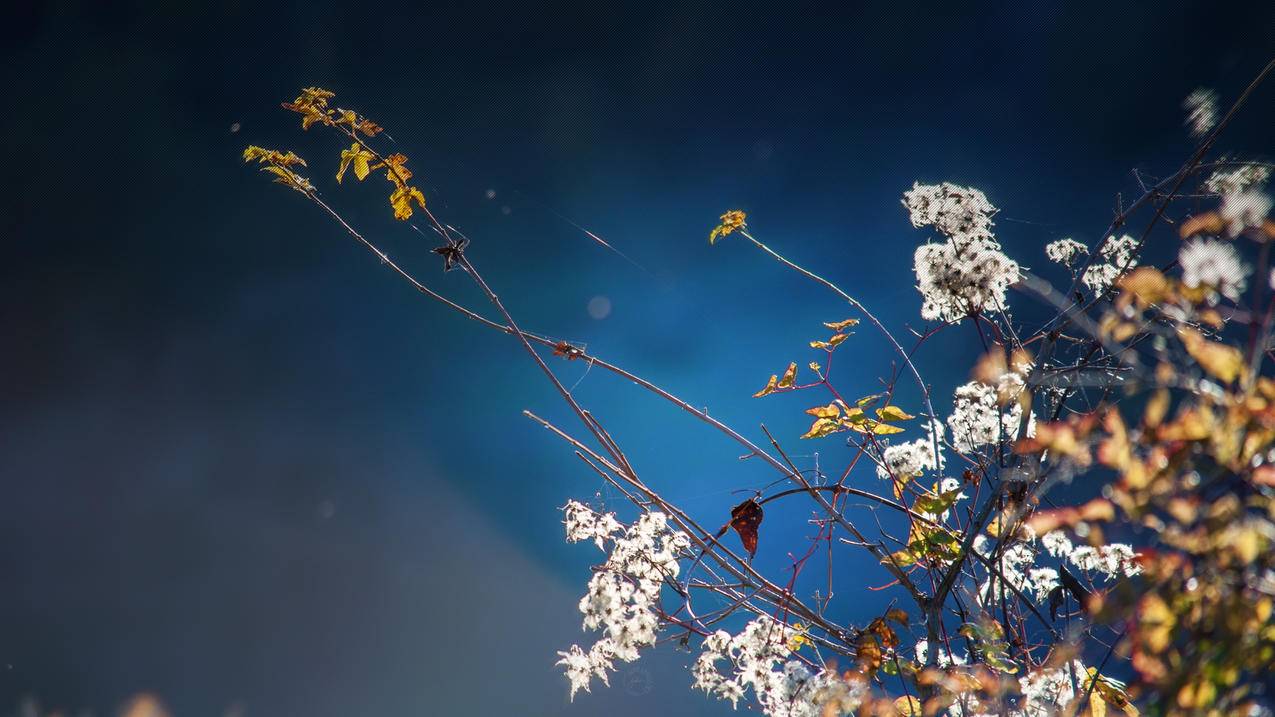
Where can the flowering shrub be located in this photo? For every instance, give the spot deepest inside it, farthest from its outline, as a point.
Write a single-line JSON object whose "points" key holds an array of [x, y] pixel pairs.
{"points": [[1156, 591]]}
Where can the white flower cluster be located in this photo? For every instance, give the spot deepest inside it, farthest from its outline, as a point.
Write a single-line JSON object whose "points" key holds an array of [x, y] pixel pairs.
{"points": [[1065, 251], [944, 658], [1215, 264], [585, 524], [977, 418], [1244, 210], [1201, 111], [959, 213], [624, 591], [759, 658], [1117, 258], [911, 458], [968, 272], [1047, 690], [1234, 181], [1017, 563]]}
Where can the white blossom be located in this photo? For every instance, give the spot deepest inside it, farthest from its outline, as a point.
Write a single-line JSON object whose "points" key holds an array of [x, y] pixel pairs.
{"points": [[977, 419], [911, 458], [622, 593], [581, 667], [758, 659], [1117, 258], [1238, 179], [1042, 581], [943, 658], [968, 272], [962, 214], [1244, 210], [955, 282], [1201, 109], [1046, 690], [1057, 543], [1065, 251], [585, 524], [1214, 264]]}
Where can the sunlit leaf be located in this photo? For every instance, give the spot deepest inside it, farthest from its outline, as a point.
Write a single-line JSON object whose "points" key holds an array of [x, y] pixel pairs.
{"points": [[731, 221], [842, 325], [1219, 360], [789, 377], [402, 199], [358, 158], [893, 413]]}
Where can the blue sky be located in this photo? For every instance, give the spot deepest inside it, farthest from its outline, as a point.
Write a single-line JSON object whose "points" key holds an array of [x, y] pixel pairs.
{"points": [[247, 467]]}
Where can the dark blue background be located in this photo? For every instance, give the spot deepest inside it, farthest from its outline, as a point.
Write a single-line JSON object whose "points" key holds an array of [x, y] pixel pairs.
{"points": [[242, 465]]}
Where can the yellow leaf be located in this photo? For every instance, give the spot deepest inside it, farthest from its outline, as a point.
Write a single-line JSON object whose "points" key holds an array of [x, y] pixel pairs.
{"points": [[823, 427], [769, 387], [829, 411], [789, 377], [840, 326], [358, 158], [395, 171], [1157, 407], [1156, 622], [908, 706], [402, 199], [893, 413], [732, 220], [1224, 362]]}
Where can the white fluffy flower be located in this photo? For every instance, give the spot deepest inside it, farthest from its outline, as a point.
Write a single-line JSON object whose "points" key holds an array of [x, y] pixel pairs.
{"points": [[1244, 210], [1042, 581], [1117, 258], [942, 659], [584, 524], [1046, 690], [968, 272], [1201, 111], [581, 667], [1215, 264], [1238, 179], [1118, 559], [1065, 251], [622, 593], [911, 458], [758, 659], [977, 419], [1057, 543], [960, 213], [956, 282]]}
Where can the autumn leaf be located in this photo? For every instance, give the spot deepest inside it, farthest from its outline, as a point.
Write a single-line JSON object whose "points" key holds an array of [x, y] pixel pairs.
{"points": [[832, 342], [832, 410], [395, 169], [402, 199], [312, 105], [358, 158], [745, 518], [908, 706], [841, 326], [732, 220], [1224, 362], [798, 638], [823, 427], [893, 413], [777, 383]]}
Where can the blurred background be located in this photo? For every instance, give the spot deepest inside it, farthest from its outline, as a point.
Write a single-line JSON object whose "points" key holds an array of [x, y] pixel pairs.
{"points": [[248, 471]]}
